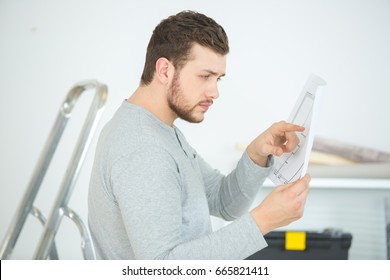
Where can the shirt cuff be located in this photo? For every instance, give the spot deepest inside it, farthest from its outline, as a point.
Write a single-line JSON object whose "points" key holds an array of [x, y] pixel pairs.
{"points": [[250, 165]]}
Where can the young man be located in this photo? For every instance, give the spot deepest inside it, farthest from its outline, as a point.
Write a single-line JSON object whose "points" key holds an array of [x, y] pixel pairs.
{"points": [[151, 195]]}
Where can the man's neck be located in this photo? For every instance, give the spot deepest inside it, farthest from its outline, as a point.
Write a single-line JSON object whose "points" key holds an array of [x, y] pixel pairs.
{"points": [[155, 101]]}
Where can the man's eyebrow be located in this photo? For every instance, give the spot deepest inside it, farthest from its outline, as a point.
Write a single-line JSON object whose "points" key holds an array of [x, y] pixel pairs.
{"points": [[213, 73]]}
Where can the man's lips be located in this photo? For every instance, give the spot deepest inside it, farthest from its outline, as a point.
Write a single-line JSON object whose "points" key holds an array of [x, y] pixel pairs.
{"points": [[206, 104]]}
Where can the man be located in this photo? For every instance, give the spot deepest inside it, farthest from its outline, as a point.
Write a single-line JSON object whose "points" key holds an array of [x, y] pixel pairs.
{"points": [[151, 195]]}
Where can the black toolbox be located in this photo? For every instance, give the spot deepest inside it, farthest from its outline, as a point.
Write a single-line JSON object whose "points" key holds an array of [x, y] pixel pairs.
{"points": [[305, 245]]}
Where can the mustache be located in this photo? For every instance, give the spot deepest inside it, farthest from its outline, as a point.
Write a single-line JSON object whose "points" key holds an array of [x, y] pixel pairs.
{"points": [[209, 102]]}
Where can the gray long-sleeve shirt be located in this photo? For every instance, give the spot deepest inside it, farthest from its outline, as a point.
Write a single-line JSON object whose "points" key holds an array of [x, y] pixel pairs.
{"points": [[151, 195]]}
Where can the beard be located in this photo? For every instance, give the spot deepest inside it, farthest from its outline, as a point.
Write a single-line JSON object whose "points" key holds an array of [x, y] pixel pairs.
{"points": [[178, 105]]}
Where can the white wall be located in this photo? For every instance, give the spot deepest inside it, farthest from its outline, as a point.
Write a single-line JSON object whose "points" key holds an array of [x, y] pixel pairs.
{"points": [[47, 46]]}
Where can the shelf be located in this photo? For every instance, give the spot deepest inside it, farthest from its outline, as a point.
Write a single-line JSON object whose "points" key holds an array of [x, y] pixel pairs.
{"points": [[345, 183]]}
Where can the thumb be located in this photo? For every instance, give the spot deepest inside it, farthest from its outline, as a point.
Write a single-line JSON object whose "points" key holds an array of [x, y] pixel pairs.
{"points": [[307, 178]]}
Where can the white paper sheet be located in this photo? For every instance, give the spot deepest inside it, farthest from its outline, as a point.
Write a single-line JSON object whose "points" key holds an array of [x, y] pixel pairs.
{"points": [[292, 166]]}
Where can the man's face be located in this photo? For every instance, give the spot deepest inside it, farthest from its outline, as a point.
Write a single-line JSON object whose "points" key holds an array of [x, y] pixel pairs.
{"points": [[194, 87]]}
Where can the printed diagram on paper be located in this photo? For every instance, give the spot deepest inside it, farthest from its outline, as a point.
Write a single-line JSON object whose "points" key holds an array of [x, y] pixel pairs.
{"points": [[292, 166]]}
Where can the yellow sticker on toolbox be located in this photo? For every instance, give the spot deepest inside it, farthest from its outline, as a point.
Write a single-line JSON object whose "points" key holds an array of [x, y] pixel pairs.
{"points": [[295, 240]]}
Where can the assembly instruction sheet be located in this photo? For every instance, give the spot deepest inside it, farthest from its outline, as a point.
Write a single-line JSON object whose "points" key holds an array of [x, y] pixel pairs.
{"points": [[292, 166]]}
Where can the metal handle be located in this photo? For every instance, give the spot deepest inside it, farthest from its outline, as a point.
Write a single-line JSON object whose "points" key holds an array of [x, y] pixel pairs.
{"points": [[54, 218]]}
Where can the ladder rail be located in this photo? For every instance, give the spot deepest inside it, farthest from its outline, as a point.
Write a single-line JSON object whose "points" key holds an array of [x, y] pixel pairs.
{"points": [[31, 192], [42, 219], [84, 140]]}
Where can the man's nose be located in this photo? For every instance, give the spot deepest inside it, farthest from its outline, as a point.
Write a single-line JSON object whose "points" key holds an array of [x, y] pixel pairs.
{"points": [[213, 92]]}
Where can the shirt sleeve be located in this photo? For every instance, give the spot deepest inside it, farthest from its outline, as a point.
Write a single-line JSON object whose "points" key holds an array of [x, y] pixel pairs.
{"points": [[147, 188], [230, 196]]}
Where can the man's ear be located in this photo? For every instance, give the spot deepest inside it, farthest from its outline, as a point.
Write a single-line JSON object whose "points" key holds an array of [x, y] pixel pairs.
{"points": [[164, 70]]}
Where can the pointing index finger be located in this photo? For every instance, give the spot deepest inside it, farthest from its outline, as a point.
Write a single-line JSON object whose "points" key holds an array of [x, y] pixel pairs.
{"points": [[290, 127], [283, 126]]}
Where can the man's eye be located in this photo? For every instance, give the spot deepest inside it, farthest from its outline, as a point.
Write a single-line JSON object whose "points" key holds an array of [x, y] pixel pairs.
{"points": [[205, 77]]}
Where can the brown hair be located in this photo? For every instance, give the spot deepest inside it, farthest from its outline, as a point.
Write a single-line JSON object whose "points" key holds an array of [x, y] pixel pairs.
{"points": [[174, 37]]}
